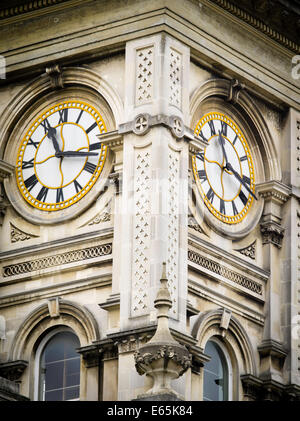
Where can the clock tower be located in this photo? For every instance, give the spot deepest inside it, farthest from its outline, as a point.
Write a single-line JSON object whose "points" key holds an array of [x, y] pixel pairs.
{"points": [[136, 137]]}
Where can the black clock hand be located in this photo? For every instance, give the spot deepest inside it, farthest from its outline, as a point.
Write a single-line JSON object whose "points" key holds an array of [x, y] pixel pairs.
{"points": [[221, 140], [77, 153], [51, 134], [237, 175]]}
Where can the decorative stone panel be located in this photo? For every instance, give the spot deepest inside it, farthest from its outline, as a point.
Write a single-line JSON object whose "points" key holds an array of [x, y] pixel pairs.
{"points": [[144, 75], [141, 233], [173, 228], [175, 78]]}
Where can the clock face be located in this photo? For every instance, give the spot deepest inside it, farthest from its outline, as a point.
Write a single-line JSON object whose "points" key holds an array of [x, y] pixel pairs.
{"points": [[224, 172], [60, 157]]}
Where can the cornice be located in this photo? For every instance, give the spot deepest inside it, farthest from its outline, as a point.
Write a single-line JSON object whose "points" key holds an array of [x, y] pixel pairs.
{"points": [[15, 10], [262, 25]]}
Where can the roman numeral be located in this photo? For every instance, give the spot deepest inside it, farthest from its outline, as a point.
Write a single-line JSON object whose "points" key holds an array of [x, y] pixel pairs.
{"points": [[243, 198], [234, 209], [202, 136], [42, 194], [243, 158], [30, 182], [212, 127], [246, 179], [63, 115], [223, 128], [45, 124], [89, 167], [59, 195], [202, 174], [32, 143], [92, 127], [79, 117], [95, 146], [222, 207], [235, 139], [78, 187], [27, 164], [210, 195], [200, 156]]}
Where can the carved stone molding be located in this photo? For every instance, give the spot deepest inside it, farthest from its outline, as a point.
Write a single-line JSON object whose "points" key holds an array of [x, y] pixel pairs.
{"points": [[53, 306], [56, 76], [257, 389], [234, 89], [263, 15], [143, 122], [249, 251], [227, 273], [272, 233], [275, 194], [177, 127], [103, 216], [57, 260], [13, 370], [6, 170], [18, 235]]}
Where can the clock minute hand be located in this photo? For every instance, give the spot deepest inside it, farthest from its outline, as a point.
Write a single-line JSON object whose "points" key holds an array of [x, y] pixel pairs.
{"points": [[77, 153], [237, 175], [221, 140]]}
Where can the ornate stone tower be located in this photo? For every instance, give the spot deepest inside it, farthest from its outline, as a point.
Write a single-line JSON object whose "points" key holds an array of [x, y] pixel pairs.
{"points": [[133, 134]]}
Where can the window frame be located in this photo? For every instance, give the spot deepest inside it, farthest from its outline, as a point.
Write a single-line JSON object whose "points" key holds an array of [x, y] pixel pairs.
{"points": [[228, 363], [38, 355]]}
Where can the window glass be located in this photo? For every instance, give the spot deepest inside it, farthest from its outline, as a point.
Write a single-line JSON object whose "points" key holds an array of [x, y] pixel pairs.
{"points": [[60, 368], [215, 387]]}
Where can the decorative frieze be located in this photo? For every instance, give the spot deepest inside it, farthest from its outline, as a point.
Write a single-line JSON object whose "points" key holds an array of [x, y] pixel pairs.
{"points": [[221, 270], [103, 216], [57, 260]]}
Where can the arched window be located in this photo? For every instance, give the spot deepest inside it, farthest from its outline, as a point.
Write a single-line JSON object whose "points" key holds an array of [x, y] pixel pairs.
{"points": [[217, 373], [58, 366]]}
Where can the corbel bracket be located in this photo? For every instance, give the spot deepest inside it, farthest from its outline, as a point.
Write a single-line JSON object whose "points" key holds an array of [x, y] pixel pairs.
{"points": [[234, 90], [56, 76]]}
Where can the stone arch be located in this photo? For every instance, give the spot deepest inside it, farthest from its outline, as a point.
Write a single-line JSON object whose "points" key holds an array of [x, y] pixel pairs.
{"points": [[220, 88], [70, 314], [40, 86], [208, 325]]}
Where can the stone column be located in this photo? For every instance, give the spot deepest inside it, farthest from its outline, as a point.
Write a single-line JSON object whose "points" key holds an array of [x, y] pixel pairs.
{"points": [[155, 178]]}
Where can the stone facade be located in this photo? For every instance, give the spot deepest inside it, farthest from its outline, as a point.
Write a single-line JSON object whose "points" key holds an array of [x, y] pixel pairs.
{"points": [[152, 70]]}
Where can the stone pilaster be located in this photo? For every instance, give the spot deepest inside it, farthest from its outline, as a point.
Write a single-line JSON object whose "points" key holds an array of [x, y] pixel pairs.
{"points": [[272, 351], [155, 178]]}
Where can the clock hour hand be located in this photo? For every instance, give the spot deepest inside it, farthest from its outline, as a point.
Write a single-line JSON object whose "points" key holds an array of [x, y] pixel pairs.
{"points": [[77, 153], [51, 134], [237, 175], [221, 140]]}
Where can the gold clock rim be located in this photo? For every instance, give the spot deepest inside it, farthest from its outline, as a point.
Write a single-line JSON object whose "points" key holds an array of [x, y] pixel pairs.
{"points": [[54, 207], [241, 215]]}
